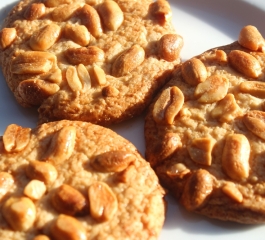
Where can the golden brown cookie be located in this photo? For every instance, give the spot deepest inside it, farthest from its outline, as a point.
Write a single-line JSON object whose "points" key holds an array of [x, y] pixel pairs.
{"points": [[205, 134], [91, 60], [76, 180]]}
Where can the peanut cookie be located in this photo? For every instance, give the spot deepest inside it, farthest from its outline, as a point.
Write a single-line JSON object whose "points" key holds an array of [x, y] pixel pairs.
{"points": [[92, 60], [76, 180], [205, 131]]}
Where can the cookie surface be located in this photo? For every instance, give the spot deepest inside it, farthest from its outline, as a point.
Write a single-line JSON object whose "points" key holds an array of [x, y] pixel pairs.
{"points": [[96, 61], [205, 131], [76, 180]]}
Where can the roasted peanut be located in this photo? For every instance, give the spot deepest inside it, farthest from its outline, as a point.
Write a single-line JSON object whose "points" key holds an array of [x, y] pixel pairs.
{"points": [[45, 37], [103, 202], [62, 145], [244, 63], [169, 47], [110, 91], [168, 105], [226, 109], [178, 170], [111, 14], [20, 213], [235, 157], [128, 60], [90, 18], [42, 171], [250, 37], [64, 12], [200, 150], [7, 37], [16, 138], [68, 200], [84, 76], [113, 161], [34, 11], [77, 33], [197, 190], [99, 75], [213, 89], [35, 189], [35, 91], [255, 122], [33, 62], [161, 11], [41, 237], [232, 191], [254, 88], [85, 55], [73, 79], [6, 183], [66, 227], [194, 71]]}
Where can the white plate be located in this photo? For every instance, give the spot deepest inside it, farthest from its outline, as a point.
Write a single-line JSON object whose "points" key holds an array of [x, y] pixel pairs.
{"points": [[203, 24]]}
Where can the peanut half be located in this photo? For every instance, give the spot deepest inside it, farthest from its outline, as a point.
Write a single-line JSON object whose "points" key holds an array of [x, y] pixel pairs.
{"points": [[34, 11], [244, 63], [232, 192], [113, 161], [111, 14], [161, 11], [235, 157], [103, 202], [7, 37], [194, 71], [6, 183], [77, 33], [250, 38], [128, 60], [213, 89], [255, 122], [168, 105], [16, 138], [254, 88]]}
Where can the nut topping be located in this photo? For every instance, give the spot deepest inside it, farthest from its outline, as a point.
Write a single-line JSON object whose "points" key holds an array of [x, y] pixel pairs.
{"points": [[111, 14], [255, 122], [128, 60], [84, 76], [178, 170], [64, 12], [232, 191], [35, 91], [73, 79], [85, 55], [42, 171], [66, 227], [20, 213], [34, 11], [168, 105], [35, 189], [41, 237], [77, 33], [69, 201], [227, 109], [169, 47], [162, 11], [235, 158], [113, 161], [110, 91], [32, 62], [254, 88], [250, 37], [90, 18], [45, 37], [6, 183], [212, 89], [244, 63], [99, 75], [7, 37], [194, 71], [16, 138], [197, 190], [200, 150], [103, 202], [62, 145]]}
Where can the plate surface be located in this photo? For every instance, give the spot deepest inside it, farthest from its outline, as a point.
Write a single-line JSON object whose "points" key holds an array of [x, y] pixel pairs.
{"points": [[204, 24]]}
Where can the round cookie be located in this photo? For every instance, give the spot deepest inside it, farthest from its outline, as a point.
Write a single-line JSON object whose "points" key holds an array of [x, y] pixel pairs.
{"points": [[90, 60], [204, 131], [76, 180]]}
